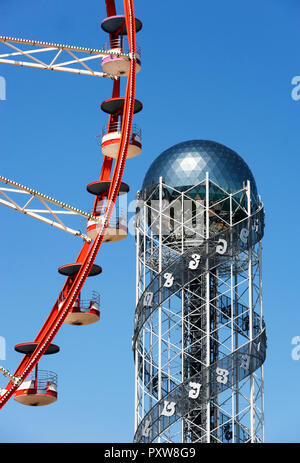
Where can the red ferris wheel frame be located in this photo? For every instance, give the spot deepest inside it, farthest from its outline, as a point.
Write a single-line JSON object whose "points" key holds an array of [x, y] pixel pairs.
{"points": [[89, 251]]}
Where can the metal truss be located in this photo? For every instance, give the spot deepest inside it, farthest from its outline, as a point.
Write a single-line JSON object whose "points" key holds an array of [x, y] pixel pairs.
{"points": [[55, 57], [8, 375], [13, 197], [199, 340]]}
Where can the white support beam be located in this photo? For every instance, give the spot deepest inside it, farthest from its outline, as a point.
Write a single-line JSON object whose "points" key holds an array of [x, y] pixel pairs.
{"points": [[46, 203], [52, 53]]}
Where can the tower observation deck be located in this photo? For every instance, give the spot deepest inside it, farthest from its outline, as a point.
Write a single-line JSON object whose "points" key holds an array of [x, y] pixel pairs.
{"points": [[199, 336]]}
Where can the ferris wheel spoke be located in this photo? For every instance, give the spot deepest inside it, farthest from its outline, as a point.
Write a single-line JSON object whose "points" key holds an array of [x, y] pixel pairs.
{"points": [[53, 52], [12, 197], [8, 375]]}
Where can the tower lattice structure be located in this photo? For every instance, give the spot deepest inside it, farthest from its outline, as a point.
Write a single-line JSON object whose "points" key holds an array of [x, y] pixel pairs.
{"points": [[199, 336]]}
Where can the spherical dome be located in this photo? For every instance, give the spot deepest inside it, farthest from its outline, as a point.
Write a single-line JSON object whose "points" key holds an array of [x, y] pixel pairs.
{"points": [[185, 165]]}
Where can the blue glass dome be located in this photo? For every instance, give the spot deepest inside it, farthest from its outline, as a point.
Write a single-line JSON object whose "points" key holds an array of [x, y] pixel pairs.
{"points": [[185, 165]]}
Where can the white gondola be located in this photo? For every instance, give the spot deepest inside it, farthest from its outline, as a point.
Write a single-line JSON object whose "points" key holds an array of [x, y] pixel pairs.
{"points": [[117, 65], [39, 391], [117, 230], [84, 312], [111, 137]]}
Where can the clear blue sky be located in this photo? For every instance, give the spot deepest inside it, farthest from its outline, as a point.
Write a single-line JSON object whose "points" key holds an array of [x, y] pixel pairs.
{"points": [[217, 70]]}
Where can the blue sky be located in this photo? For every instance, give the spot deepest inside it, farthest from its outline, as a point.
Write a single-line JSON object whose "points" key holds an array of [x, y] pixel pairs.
{"points": [[214, 70]]}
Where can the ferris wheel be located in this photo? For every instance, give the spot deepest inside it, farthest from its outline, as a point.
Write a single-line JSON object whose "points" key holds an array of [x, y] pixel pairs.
{"points": [[120, 139]]}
